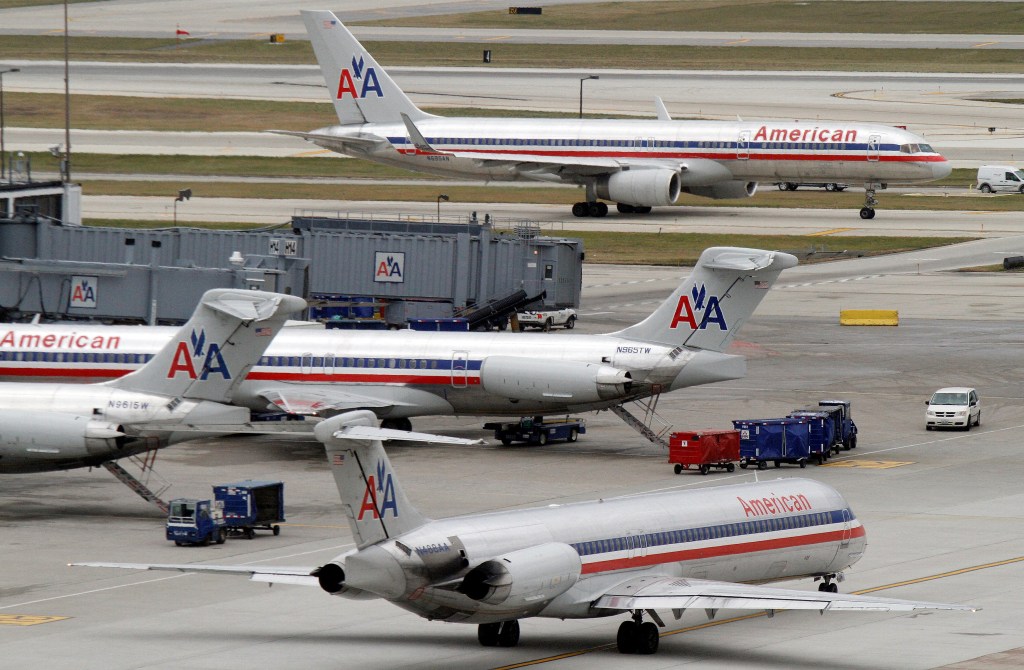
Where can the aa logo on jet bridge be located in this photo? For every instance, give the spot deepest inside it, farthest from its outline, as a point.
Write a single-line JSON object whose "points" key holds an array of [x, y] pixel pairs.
{"points": [[209, 359], [389, 266], [366, 76], [700, 312], [379, 496]]}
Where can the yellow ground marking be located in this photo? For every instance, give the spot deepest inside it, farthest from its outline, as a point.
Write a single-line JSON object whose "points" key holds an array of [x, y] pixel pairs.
{"points": [[316, 152], [499, 37], [743, 41], [709, 624], [984, 44], [867, 465], [830, 232], [28, 619]]}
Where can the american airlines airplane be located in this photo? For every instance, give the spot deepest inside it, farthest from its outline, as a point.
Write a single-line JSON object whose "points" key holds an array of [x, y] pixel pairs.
{"points": [[185, 387], [710, 549], [402, 374], [636, 163]]}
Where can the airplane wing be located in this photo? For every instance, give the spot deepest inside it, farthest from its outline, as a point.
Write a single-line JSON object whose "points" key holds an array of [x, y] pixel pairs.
{"points": [[312, 401], [341, 144], [270, 575], [533, 166], [677, 593]]}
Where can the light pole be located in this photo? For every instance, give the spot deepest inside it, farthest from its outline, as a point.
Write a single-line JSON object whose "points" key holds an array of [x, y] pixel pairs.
{"points": [[583, 79], [439, 199], [183, 194], [3, 148]]}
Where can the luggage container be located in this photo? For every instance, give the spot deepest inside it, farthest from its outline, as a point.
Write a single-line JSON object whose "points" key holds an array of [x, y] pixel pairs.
{"points": [[251, 505], [704, 450], [784, 440], [823, 437], [847, 428]]}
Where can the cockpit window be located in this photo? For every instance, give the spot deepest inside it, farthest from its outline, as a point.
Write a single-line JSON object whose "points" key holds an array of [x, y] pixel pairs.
{"points": [[916, 149]]}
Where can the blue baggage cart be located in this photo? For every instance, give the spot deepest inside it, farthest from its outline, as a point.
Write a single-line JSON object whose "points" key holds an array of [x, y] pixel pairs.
{"points": [[847, 428], [823, 437], [249, 505], [784, 440]]}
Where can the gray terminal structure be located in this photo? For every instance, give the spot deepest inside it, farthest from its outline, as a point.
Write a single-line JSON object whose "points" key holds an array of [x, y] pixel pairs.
{"points": [[351, 270]]}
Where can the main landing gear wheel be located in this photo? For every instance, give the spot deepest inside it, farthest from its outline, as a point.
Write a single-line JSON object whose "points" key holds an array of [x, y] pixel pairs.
{"points": [[828, 586], [593, 209], [501, 634], [637, 638], [867, 213], [624, 208]]}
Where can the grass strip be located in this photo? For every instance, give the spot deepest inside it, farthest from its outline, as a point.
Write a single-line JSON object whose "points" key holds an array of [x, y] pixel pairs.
{"points": [[753, 16], [684, 248], [485, 194], [567, 56]]}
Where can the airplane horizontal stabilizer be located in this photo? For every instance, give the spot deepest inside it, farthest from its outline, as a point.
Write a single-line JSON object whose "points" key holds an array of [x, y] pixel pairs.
{"points": [[271, 575], [675, 593], [385, 434]]}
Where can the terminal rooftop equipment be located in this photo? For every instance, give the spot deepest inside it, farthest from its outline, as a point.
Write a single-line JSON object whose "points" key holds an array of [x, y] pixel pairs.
{"points": [[391, 271]]}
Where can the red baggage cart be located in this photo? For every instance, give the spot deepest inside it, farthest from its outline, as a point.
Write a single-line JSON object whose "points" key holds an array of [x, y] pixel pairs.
{"points": [[704, 449]]}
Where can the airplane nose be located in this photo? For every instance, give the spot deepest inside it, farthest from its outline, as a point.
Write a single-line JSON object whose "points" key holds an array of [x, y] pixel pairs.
{"points": [[941, 169]]}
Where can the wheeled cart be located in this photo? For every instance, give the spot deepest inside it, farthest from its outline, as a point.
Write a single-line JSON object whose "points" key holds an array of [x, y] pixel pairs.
{"points": [[704, 450]]}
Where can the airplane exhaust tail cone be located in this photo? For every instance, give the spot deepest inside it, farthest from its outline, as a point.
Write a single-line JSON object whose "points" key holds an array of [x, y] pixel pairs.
{"points": [[331, 577]]}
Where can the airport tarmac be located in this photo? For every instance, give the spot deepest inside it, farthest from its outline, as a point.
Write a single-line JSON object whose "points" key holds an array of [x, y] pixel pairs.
{"points": [[941, 509], [558, 220], [953, 111]]}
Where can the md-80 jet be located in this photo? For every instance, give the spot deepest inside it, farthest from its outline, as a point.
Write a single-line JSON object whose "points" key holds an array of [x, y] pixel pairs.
{"points": [[647, 554], [635, 163], [402, 374], [182, 391]]}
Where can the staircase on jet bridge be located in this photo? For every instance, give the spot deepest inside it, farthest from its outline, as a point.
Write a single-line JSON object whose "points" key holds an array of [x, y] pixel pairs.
{"points": [[652, 426]]}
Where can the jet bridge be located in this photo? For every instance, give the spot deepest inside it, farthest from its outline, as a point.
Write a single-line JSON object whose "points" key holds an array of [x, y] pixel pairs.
{"points": [[406, 269]]}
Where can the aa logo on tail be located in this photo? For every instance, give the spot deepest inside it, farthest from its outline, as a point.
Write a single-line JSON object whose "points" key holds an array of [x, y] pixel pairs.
{"points": [[698, 310], [379, 496], [366, 76], [188, 354]]}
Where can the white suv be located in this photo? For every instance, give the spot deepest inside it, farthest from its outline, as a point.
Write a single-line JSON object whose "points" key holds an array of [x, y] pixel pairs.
{"points": [[957, 407]]}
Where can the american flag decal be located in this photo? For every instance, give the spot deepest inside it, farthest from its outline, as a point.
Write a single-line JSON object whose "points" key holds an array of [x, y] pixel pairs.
{"points": [[760, 284], [338, 459], [328, 24], [264, 332]]}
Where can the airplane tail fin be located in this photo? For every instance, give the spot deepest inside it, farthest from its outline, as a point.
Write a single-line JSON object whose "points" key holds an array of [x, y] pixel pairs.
{"points": [[361, 90], [374, 502], [710, 306], [212, 353]]}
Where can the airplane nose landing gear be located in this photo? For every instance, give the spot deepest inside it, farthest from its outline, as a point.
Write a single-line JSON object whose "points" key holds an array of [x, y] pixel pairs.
{"points": [[637, 636], [868, 210]]}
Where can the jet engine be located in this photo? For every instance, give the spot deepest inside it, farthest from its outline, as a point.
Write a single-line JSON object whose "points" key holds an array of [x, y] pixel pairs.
{"points": [[524, 578], [40, 441], [729, 190], [332, 579], [525, 379], [643, 187]]}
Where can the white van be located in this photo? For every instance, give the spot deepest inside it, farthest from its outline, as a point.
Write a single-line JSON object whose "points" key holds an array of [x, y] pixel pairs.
{"points": [[993, 178], [957, 406]]}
